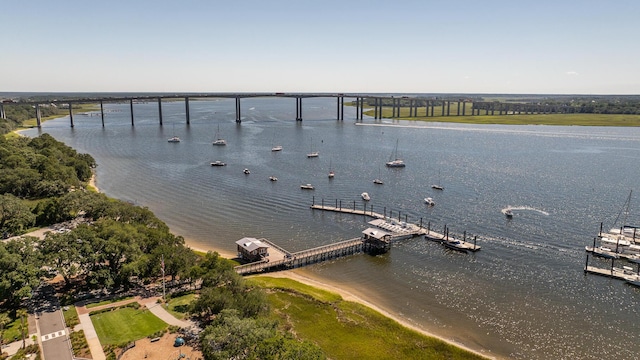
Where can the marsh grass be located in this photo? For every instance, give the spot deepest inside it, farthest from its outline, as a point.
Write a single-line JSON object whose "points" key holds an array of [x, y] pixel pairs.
{"points": [[348, 330], [532, 119]]}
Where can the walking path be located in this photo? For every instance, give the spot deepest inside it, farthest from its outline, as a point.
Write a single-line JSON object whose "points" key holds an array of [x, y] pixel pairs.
{"points": [[97, 353]]}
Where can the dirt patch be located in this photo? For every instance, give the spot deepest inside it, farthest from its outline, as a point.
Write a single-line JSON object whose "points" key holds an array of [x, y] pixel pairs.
{"points": [[161, 349]]}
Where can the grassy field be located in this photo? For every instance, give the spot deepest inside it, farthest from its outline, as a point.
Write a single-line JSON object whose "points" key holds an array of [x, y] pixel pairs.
{"points": [[347, 330], [125, 325], [178, 306], [534, 119]]}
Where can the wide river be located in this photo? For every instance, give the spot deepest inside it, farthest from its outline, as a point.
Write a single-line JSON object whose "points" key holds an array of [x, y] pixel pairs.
{"points": [[523, 296]]}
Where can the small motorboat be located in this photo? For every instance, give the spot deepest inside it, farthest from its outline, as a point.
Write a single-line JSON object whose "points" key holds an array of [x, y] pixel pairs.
{"points": [[277, 148], [365, 196], [508, 213], [174, 139], [306, 187], [218, 163], [246, 171], [437, 187], [429, 201], [273, 178], [378, 181], [313, 154]]}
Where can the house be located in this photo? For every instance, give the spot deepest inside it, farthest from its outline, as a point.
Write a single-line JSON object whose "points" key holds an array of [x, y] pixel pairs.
{"points": [[252, 249]]}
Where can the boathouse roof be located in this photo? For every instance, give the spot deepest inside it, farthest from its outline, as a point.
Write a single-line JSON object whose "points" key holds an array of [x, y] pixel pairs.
{"points": [[375, 234], [251, 244]]}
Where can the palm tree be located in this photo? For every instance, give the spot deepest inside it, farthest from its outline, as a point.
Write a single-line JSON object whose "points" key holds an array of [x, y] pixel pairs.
{"points": [[22, 313], [4, 321]]}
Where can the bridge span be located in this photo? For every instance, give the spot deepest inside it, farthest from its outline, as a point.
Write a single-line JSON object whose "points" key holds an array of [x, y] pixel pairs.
{"points": [[401, 106]]}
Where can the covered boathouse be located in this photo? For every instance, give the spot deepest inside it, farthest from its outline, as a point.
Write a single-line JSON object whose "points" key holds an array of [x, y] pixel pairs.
{"points": [[252, 249]]}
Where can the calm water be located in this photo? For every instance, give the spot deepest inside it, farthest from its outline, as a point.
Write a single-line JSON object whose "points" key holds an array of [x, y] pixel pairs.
{"points": [[524, 295]]}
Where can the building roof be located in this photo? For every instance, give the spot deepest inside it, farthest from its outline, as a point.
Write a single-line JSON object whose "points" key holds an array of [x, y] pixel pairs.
{"points": [[251, 244], [376, 233]]}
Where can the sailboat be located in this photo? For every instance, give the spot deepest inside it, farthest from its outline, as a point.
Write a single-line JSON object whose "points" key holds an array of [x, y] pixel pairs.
{"points": [[312, 154], [174, 138], [219, 140], [396, 162], [331, 173], [276, 147], [377, 180], [437, 186]]}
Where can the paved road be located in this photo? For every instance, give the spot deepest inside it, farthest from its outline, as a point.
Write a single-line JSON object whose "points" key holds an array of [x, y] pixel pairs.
{"points": [[51, 327], [54, 336]]}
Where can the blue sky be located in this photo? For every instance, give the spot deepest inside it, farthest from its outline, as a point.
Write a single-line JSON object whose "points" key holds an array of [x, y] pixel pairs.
{"points": [[403, 46]]}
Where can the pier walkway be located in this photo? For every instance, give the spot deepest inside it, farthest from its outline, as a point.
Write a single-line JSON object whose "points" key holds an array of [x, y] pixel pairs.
{"points": [[288, 260]]}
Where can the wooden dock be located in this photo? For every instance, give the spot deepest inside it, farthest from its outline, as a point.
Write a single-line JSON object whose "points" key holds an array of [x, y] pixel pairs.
{"points": [[346, 210], [614, 272], [289, 260]]}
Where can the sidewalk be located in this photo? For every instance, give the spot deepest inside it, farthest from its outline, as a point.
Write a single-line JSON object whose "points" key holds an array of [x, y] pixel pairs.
{"points": [[13, 347], [97, 353]]}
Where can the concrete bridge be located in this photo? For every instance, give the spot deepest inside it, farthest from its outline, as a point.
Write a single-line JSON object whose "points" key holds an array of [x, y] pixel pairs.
{"points": [[401, 106]]}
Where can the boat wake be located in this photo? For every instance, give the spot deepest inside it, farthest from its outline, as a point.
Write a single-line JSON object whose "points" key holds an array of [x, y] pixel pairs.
{"points": [[527, 208]]}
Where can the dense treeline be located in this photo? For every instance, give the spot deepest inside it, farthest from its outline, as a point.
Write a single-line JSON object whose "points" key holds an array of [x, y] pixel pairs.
{"points": [[41, 169], [115, 246], [18, 113]]}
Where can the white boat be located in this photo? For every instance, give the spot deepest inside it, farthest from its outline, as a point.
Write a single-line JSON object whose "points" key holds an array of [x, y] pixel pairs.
{"points": [[277, 148], [429, 201], [174, 138], [306, 187], [508, 213], [219, 140], [273, 178], [396, 162], [218, 163], [437, 187], [377, 180], [246, 171], [365, 196], [312, 154], [331, 173], [603, 252]]}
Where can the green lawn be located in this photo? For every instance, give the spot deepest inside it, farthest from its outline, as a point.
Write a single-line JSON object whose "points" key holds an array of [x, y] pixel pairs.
{"points": [[12, 332], [125, 325], [348, 330], [178, 306]]}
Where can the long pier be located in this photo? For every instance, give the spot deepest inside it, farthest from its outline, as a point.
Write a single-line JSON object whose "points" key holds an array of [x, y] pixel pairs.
{"points": [[290, 260]]}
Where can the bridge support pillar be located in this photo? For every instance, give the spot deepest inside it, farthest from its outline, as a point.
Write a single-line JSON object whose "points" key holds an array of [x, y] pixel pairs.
{"points": [[186, 109], [38, 116], [340, 108], [160, 110], [131, 110], [458, 111], [298, 109], [238, 111], [102, 112], [71, 114], [464, 106]]}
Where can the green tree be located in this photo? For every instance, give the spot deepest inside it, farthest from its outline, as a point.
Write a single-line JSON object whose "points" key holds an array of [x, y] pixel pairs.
{"points": [[4, 321], [14, 215]]}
